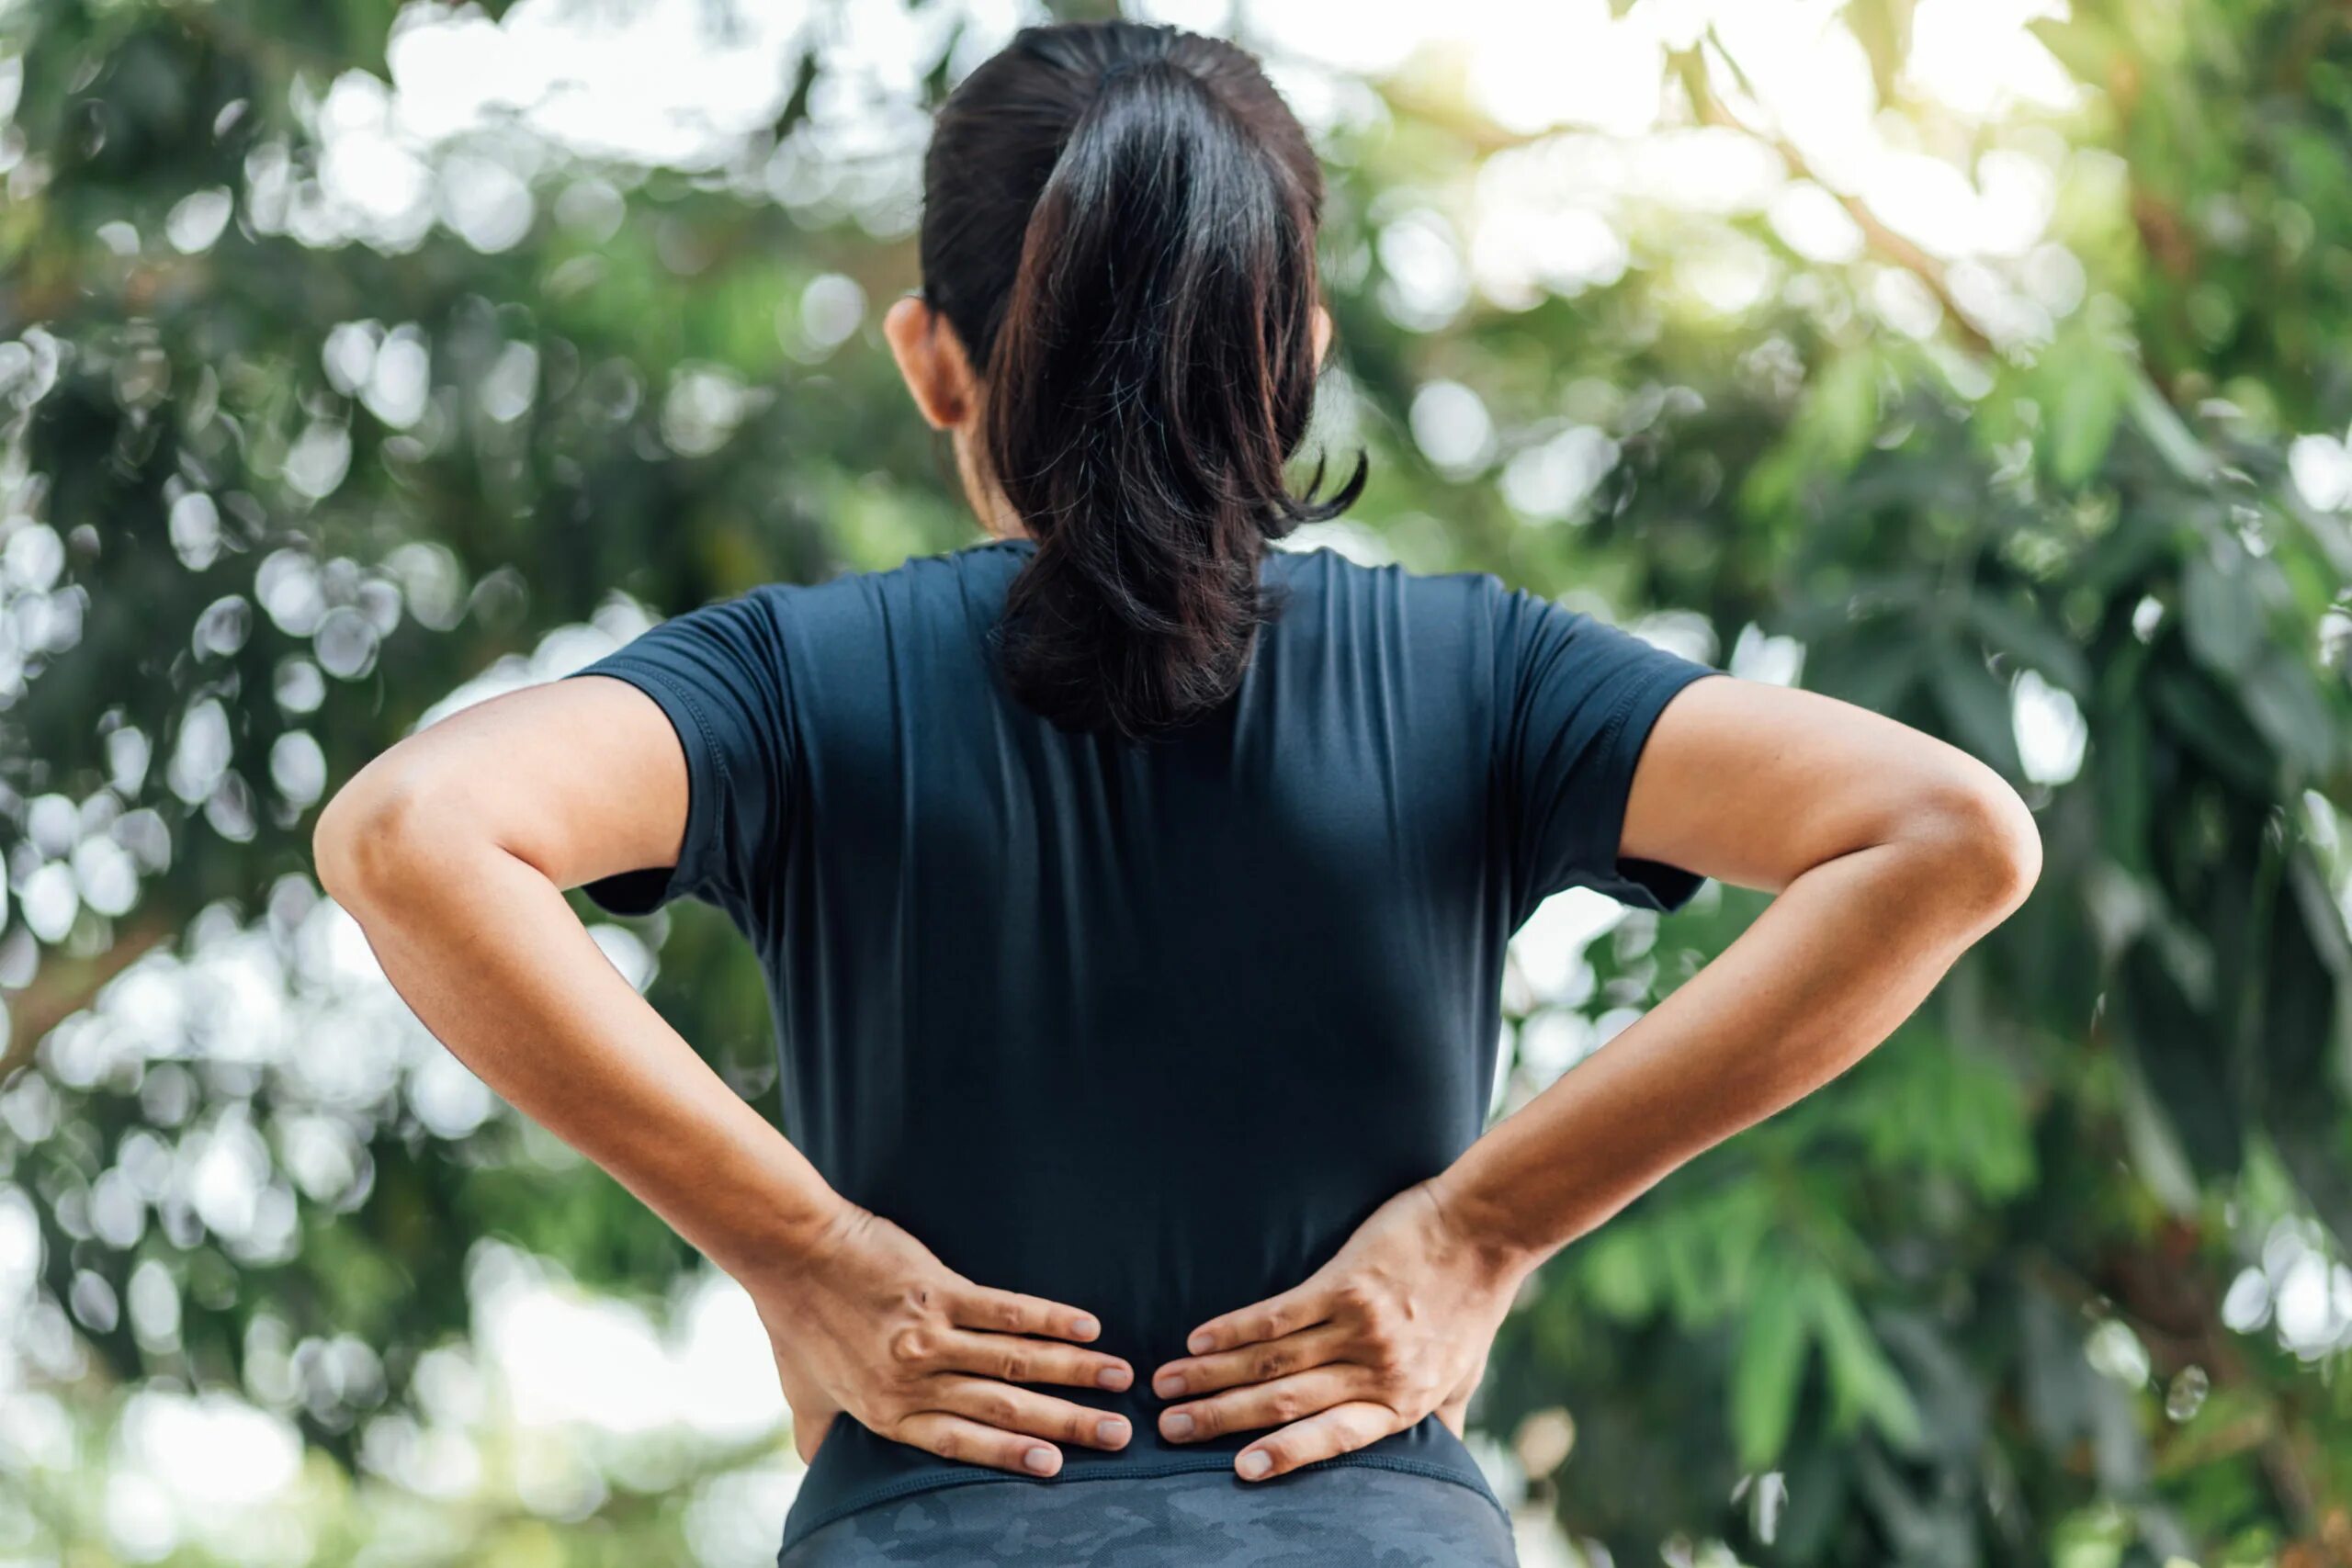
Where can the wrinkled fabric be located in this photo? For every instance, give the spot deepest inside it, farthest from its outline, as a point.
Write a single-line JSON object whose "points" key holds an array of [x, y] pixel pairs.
{"points": [[1325, 1517]]}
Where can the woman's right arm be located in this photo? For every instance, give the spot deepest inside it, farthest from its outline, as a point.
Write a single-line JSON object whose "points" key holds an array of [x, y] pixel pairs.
{"points": [[1890, 851], [452, 850]]}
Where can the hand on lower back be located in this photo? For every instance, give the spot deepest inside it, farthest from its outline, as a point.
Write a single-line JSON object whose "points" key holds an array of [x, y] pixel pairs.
{"points": [[869, 1322], [1396, 1327]]}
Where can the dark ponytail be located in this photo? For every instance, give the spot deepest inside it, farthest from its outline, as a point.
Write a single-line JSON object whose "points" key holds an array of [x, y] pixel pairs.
{"points": [[1119, 223]]}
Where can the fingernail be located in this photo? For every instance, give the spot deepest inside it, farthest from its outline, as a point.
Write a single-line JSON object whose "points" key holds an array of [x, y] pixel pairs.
{"points": [[1169, 1385], [1179, 1425], [1042, 1461], [1255, 1463], [1113, 1378], [1111, 1434], [1084, 1327], [1198, 1344]]}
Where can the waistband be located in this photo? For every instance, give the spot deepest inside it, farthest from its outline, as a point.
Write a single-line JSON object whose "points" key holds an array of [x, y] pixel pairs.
{"points": [[867, 1471]]}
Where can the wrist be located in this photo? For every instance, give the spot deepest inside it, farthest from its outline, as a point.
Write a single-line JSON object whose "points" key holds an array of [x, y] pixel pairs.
{"points": [[1491, 1231], [785, 1243]]}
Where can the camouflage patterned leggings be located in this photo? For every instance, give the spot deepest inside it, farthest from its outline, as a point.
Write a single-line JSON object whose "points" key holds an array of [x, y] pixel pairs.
{"points": [[1333, 1516]]}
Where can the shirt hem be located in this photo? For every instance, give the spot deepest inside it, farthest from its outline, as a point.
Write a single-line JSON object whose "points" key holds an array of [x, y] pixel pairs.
{"points": [[637, 893], [1644, 884], [911, 1485]]}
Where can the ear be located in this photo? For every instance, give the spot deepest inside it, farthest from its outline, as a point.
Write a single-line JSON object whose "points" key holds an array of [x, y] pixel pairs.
{"points": [[1322, 333], [932, 359]]}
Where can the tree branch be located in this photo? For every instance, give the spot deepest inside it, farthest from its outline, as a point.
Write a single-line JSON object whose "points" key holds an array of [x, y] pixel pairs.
{"points": [[63, 987], [1889, 245]]}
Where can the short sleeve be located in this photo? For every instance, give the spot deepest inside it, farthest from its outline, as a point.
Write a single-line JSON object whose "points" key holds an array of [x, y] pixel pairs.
{"points": [[1581, 697], [719, 675]]}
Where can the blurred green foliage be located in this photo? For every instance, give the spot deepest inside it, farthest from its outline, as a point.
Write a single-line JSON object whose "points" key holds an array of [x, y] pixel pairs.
{"points": [[2035, 1283]]}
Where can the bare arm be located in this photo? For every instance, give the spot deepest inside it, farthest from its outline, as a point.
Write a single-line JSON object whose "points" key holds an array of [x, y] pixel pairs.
{"points": [[1890, 851], [452, 851]]}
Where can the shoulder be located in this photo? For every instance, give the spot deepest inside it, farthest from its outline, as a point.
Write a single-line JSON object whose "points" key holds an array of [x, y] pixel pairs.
{"points": [[945, 577], [1355, 575], [1438, 618]]}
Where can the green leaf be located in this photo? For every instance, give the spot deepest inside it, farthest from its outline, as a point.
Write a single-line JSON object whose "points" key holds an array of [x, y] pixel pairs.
{"points": [[2032, 641], [2183, 1054], [2119, 759], [1769, 1368], [2085, 404], [2216, 730], [1863, 1383], [2084, 48], [1615, 1267], [2219, 611], [2173, 440], [1976, 708], [1883, 30], [2284, 703], [2304, 1018], [1873, 666]]}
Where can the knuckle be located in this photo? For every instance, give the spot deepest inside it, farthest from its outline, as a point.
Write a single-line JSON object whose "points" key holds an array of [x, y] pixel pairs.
{"points": [[1016, 1366], [1286, 1405], [949, 1443], [1001, 1408], [910, 1345], [1271, 1364]]}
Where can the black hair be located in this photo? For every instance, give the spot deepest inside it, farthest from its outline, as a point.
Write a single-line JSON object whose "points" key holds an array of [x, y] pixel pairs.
{"points": [[1119, 224]]}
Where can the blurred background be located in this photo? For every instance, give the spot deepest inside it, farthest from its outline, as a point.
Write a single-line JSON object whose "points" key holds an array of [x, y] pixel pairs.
{"points": [[1985, 362]]}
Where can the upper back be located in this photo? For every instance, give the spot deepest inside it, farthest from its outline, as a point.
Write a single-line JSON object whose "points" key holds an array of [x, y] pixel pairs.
{"points": [[1146, 1027]]}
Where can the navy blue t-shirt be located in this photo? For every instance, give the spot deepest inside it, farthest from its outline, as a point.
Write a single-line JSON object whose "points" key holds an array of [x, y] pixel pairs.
{"points": [[1145, 1028]]}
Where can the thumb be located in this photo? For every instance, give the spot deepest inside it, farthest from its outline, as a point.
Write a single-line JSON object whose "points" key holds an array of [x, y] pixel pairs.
{"points": [[809, 1436], [813, 1412], [1454, 1409]]}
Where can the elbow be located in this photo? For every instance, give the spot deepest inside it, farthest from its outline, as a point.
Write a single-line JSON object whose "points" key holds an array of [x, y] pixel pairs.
{"points": [[1983, 843], [362, 845]]}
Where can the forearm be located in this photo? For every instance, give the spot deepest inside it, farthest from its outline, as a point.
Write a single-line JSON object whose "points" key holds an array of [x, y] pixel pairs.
{"points": [[1841, 957], [487, 952]]}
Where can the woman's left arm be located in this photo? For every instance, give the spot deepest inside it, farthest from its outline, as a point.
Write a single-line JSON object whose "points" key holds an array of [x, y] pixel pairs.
{"points": [[1890, 851]]}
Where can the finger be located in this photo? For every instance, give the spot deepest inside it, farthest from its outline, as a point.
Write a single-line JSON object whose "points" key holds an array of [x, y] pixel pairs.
{"points": [[1011, 1409], [1010, 1312], [1340, 1429], [960, 1438], [1013, 1358], [1301, 1306], [1251, 1363], [1261, 1405]]}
